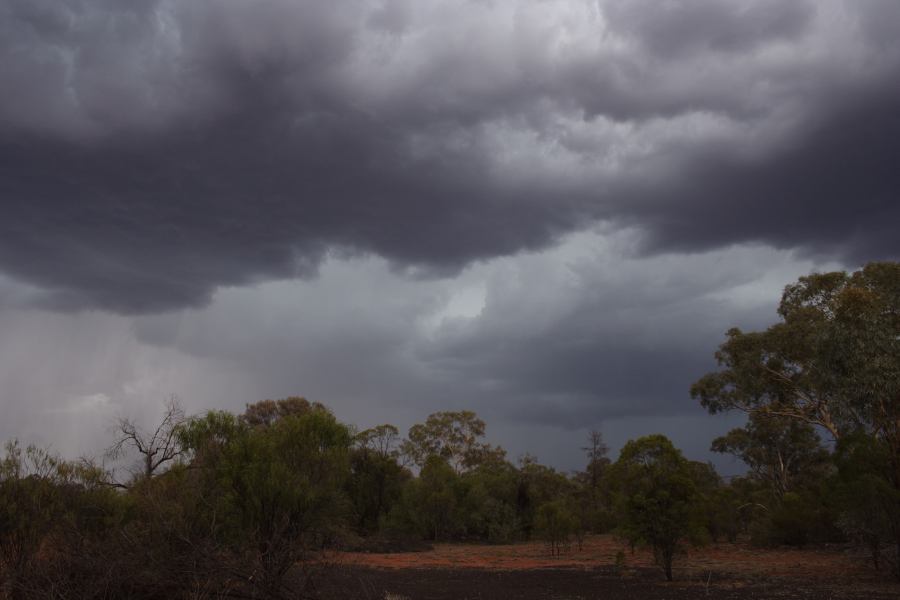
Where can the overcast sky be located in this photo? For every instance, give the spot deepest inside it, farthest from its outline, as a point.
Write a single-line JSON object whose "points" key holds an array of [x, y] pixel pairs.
{"points": [[546, 211]]}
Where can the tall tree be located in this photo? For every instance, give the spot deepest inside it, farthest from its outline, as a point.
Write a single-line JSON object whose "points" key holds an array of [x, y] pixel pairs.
{"points": [[453, 436], [832, 361], [382, 440], [596, 451], [779, 451], [376, 479], [593, 500]]}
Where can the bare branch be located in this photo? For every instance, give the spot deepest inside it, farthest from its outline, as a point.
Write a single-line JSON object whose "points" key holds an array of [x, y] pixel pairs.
{"points": [[155, 449]]}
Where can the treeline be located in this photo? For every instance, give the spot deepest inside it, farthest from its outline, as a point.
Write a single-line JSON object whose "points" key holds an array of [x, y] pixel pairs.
{"points": [[225, 502], [242, 505]]}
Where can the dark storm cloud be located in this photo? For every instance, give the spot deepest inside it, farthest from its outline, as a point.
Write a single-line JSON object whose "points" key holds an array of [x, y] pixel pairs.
{"points": [[151, 152], [834, 191], [674, 28], [578, 337], [613, 337]]}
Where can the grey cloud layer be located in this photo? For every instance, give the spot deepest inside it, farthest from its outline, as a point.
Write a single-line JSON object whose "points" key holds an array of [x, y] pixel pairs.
{"points": [[578, 334], [151, 152], [542, 345]]}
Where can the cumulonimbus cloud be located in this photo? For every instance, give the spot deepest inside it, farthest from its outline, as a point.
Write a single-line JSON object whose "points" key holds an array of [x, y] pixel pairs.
{"points": [[151, 152]]}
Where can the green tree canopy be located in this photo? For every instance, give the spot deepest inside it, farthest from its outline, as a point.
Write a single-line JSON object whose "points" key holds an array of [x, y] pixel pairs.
{"points": [[779, 451], [266, 412], [453, 436], [382, 440], [657, 497], [832, 361], [274, 491]]}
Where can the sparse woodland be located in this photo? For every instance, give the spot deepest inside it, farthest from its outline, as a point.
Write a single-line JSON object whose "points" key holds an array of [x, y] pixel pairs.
{"points": [[243, 505]]}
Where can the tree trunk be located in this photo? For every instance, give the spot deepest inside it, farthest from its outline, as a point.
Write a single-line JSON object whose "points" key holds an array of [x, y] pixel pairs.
{"points": [[666, 555], [897, 562]]}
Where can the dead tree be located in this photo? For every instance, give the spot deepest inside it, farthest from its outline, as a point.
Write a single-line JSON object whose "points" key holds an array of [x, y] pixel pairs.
{"points": [[157, 447]]}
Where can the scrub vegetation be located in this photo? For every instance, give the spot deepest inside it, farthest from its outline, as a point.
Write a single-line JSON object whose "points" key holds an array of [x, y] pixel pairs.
{"points": [[271, 503]]}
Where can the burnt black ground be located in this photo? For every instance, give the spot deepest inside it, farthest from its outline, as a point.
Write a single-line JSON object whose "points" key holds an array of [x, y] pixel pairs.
{"points": [[366, 583]]}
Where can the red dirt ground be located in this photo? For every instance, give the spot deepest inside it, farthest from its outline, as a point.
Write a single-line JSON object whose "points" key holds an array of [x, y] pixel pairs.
{"points": [[526, 572], [600, 551]]}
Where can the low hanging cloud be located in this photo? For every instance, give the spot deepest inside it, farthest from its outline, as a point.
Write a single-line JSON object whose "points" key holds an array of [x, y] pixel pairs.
{"points": [[153, 152], [543, 345]]}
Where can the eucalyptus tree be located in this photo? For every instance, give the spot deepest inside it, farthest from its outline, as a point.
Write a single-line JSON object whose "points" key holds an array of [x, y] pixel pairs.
{"points": [[452, 436], [832, 361]]}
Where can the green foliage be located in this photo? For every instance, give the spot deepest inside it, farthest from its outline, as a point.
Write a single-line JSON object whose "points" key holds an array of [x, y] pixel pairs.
{"points": [[267, 412], [437, 500], [832, 361], [55, 510], [205, 439], [453, 436], [375, 484], [657, 497], [465, 489], [493, 521], [783, 453], [538, 485], [243, 500], [381, 440], [868, 499], [236, 518], [593, 498], [723, 514], [275, 492], [489, 505], [30, 507], [789, 522], [789, 465], [429, 504], [555, 523]]}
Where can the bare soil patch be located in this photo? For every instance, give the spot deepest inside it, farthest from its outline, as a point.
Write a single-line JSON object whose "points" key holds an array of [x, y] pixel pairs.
{"points": [[526, 571]]}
